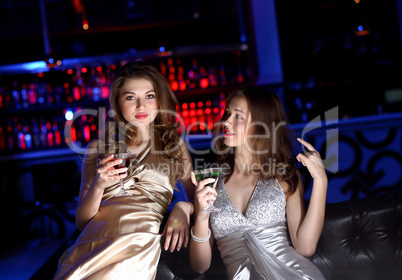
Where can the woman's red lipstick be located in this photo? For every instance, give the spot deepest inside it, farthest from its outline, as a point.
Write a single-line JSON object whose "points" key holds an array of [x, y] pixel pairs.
{"points": [[141, 116], [227, 133]]}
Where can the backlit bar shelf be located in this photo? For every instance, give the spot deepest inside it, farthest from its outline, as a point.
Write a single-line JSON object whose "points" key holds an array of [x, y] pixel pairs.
{"points": [[38, 105]]}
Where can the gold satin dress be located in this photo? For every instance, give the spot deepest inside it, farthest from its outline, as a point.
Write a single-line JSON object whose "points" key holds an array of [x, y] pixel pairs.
{"points": [[122, 241]]}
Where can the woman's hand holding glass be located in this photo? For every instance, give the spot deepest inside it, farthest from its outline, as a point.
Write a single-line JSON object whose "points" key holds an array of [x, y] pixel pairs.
{"points": [[203, 194], [106, 171]]}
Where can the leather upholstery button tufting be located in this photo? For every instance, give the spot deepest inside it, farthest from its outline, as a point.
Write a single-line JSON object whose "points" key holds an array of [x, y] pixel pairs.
{"points": [[349, 246]]}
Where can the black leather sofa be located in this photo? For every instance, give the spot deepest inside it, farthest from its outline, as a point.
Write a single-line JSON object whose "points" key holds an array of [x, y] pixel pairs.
{"points": [[361, 239]]}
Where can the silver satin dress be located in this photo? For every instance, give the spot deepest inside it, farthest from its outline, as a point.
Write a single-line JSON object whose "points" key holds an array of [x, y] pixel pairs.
{"points": [[257, 245]]}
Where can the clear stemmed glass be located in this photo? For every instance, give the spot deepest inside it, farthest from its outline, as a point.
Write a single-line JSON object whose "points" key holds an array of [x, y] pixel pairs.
{"points": [[204, 174], [127, 160]]}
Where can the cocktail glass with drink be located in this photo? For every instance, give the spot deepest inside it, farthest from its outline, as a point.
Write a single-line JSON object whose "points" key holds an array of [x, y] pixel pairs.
{"points": [[127, 160], [205, 174]]}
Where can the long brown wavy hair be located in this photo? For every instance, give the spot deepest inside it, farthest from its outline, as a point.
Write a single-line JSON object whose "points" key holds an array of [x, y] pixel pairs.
{"points": [[266, 110], [164, 127]]}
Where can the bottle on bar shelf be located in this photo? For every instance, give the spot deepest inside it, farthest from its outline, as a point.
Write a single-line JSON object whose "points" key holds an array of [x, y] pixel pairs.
{"points": [[86, 85]]}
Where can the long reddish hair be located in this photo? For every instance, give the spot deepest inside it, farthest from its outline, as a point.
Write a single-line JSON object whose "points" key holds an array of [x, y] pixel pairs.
{"points": [[276, 157], [164, 128]]}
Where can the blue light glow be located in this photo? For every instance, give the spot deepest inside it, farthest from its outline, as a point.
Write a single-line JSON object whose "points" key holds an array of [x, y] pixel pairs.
{"points": [[162, 49], [40, 66], [360, 28], [28, 141], [308, 105], [298, 102]]}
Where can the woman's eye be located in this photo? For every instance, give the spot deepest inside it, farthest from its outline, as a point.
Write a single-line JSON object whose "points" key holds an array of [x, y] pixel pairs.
{"points": [[239, 117], [130, 97], [150, 96]]}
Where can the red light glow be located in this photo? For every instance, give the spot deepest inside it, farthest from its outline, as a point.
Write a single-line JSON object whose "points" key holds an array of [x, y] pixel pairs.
{"points": [[204, 83], [73, 134], [50, 139], [21, 137], [76, 93], [105, 92], [174, 85], [182, 86], [85, 24], [57, 138], [87, 133]]}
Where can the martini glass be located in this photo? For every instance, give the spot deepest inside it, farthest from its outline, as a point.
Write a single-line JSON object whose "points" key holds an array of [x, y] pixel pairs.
{"points": [[205, 174]]}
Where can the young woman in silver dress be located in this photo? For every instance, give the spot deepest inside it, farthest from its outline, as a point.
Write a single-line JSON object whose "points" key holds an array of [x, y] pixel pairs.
{"points": [[263, 230]]}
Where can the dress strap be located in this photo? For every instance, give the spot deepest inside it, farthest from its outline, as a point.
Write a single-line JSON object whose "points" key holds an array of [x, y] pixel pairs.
{"points": [[143, 154]]}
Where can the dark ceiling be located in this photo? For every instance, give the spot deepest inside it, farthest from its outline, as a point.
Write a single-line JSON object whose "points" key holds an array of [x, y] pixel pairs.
{"points": [[114, 26]]}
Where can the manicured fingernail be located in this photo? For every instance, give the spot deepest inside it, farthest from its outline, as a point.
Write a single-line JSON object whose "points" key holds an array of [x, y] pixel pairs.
{"points": [[166, 248], [178, 249]]}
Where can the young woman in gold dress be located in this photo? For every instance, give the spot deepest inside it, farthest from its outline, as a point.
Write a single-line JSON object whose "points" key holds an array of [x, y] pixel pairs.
{"points": [[120, 235]]}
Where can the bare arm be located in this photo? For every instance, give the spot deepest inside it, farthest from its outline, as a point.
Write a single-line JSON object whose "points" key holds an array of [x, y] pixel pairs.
{"points": [[177, 226], [305, 227], [93, 182], [201, 252]]}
